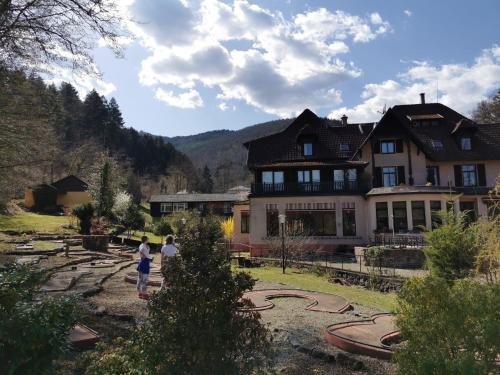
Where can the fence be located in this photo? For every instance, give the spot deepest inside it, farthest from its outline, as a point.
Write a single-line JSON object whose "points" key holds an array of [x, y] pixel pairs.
{"points": [[398, 240]]}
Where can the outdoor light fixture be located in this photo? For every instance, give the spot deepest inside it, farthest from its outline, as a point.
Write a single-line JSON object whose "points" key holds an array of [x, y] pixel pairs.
{"points": [[282, 220], [183, 221]]}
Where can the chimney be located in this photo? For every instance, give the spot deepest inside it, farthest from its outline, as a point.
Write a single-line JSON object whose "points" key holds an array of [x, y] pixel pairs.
{"points": [[344, 120], [422, 98]]}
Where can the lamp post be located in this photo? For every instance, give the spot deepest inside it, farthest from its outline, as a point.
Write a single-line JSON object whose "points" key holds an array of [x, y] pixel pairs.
{"points": [[282, 219]]}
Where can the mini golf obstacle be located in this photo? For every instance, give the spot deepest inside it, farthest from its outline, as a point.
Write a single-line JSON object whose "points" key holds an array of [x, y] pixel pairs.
{"points": [[82, 336], [369, 337], [324, 302], [155, 277]]}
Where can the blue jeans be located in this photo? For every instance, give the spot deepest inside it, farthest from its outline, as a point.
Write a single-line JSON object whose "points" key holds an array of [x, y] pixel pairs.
{"points": [[142, 282]]}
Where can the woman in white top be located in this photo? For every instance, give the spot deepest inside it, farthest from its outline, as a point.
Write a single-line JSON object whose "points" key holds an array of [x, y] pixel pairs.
{"points": [[168, 250]]}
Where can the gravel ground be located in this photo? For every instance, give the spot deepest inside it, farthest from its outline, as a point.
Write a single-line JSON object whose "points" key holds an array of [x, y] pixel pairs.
{"points": [[292, 325]]}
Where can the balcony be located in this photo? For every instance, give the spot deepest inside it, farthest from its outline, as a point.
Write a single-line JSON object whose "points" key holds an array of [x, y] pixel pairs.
{"points": [[313, 188]]}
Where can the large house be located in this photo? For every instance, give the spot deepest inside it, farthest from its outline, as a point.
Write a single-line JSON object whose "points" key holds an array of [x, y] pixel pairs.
{"points": [[339, 183], [217, 203]]}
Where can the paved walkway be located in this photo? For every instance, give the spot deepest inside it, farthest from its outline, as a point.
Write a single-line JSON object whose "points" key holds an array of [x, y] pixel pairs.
{"points": [[323, 302], [367, 337]]}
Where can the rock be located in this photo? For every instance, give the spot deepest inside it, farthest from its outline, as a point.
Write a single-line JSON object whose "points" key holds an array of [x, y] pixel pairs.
{"points": [[100, 311]]}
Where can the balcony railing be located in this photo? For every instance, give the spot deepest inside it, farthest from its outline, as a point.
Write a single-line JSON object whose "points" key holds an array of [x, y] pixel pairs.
{"points": [[312, 188]]}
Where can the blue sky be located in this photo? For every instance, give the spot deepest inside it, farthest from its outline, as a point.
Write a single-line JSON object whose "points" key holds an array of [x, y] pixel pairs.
{"points": [[200, 65]]}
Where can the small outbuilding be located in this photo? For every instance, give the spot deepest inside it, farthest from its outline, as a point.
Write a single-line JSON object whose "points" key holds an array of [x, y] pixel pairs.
{"points": [[64, 193]]}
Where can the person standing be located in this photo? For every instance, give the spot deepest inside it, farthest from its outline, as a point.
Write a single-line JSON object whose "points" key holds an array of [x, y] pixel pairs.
{"points": [[143, 268], [168, 251]]}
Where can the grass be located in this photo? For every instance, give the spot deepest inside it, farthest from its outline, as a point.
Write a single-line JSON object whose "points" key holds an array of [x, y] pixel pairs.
{"points": [[30, 222], [309, 281], [153, 238]]}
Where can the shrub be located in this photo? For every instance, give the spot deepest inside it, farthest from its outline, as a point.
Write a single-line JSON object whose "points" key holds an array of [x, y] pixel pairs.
{"points": [[486, 233], [162, 228], [196, 325], [448, 328], [84, 213], [32, 333], [450, 249]]}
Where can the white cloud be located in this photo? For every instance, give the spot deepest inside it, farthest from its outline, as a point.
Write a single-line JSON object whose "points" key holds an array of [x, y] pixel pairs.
{"points": [[188, 99], [250, 53], [461, 87], [408, 12], [223, 106]]}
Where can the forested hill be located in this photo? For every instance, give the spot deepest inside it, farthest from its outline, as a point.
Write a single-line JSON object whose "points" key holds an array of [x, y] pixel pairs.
{"points": [[223, 151], [48, 132]]}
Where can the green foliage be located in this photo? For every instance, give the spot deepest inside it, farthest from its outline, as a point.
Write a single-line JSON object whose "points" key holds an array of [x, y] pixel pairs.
{"points": [[32, 333], [84, 213], [450, 249], [195, 325], [191, 218], [163, 227], [120, 358], [207, 182], [133, 218], [105, 196], [448, 329]]}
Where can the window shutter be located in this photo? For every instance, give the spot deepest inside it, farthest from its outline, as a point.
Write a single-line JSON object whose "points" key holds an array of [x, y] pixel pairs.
{"points": [[399, 145], [438, 182], [458, 175], [401, 175], [378, 177], [376, 147], [481, 175]]}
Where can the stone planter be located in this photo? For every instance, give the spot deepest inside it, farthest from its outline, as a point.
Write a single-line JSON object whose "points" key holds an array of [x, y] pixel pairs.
{"points": [[95, 242]]}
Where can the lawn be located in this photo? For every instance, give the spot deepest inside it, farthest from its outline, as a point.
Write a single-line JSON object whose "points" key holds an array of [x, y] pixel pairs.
{"points": [[31, 222], [153, 238], [309, 281]]}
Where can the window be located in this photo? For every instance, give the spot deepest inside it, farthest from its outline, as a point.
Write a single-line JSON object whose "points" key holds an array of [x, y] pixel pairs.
{"points": [[308, 149], [179, 206], [437, 144], [348, 219], [338, 179], [245, 222], [311, 223], [228, 207], [273, 181], [433, 175], [382, 216], [389, 176], [418, 215], [469, 175], [272, 223], [435, 218], [165, 207], [465, 144], [309, 180], [344, 147], [469, 208], [387, 147], [400, 220]]}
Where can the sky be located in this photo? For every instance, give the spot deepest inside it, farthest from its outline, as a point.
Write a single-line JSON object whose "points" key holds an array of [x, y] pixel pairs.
{"points": [[191, 66]]}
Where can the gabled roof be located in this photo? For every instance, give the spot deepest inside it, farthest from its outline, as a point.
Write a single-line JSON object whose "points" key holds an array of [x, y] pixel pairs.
{"points": [[485, 137], [327, 136], [70, 183]]}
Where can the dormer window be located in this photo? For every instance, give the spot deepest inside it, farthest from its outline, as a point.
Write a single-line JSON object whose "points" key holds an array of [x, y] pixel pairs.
{"points": [[344, 147], [387, 147], [437, 144], [465, 144], [307, 149]]}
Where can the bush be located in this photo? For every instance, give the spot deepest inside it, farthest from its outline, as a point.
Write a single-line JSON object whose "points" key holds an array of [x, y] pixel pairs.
{"points": [[32, 333], [84, 213], [162, 228], [448, 328], [450, 249], [196, 325]]}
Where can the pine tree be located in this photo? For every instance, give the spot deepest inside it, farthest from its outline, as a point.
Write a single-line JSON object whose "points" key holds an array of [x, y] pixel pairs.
{"points": [[207, 182], [96, 116], [72, 112], [105, 199]]}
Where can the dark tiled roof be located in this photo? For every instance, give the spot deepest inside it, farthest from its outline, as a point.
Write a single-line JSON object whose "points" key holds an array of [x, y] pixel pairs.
{"points": [[316, 163], [222, 197], [485, 137], [327, 136]]}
